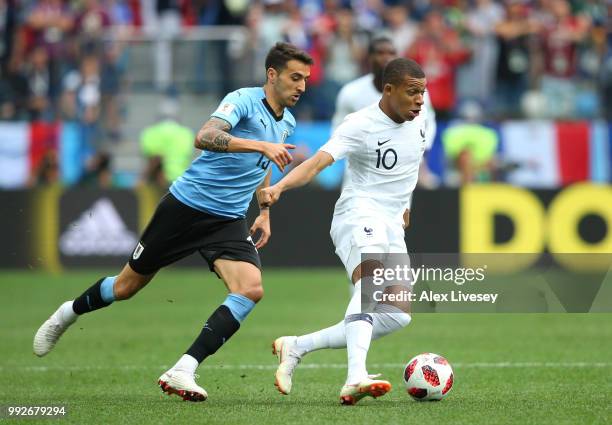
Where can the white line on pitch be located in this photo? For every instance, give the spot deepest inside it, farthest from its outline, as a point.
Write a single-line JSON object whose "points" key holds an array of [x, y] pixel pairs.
{"points": [[33, 368]]}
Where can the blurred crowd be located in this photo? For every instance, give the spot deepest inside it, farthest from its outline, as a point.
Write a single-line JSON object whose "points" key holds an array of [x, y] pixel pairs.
{"points": [[547, 57], [68, 60], [540, 58]]}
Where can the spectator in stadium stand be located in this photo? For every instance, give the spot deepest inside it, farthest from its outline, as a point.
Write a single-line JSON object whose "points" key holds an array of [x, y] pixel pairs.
{"points": [[80, 104], [14, 92], [344, 54], [168, 147], [470, 148], [402, 29], [317, 101], [98, 172], [221, 52], [606, 69], [8, 24], [111, 83], [90, 24], [42, 85], [121, 13], [8, 109], [439, 51], [162, 21], [295, 30], [368, 15], [47, 172], [515, 59], [480, 23], [82, 91], [268, 21], [48, 24], [559, 42], [344, 50], [13, 88], [591, 53]]}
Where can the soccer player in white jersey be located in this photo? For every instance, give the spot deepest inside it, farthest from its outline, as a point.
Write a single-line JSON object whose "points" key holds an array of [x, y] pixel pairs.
{"points": [[384, 144], [367, 89]]}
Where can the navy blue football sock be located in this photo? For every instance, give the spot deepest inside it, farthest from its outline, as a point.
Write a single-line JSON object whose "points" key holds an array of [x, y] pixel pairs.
{"points": [[219, 327], [99, 295]]}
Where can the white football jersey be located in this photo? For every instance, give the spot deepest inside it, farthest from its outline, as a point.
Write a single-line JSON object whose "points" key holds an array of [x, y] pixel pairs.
{"points": [[361, 92], [383, 160]]}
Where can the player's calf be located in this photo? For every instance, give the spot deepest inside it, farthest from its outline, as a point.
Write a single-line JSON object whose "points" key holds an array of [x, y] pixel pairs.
{"points": [[388, 319], [129, 283]]}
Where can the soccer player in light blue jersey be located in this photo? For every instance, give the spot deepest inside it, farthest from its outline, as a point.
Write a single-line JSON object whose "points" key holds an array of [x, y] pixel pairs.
{"points": [[205, 211]]}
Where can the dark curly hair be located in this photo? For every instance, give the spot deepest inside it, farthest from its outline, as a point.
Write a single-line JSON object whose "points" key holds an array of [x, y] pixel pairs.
{"points": [[281, 53], [398, 69]]}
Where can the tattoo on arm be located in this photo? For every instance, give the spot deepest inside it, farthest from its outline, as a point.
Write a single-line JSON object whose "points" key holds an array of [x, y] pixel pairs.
{"points": [[219, 143], [214, 136]]}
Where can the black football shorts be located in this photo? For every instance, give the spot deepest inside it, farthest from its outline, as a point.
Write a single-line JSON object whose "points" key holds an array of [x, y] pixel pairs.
{"points": [[176, 230]]}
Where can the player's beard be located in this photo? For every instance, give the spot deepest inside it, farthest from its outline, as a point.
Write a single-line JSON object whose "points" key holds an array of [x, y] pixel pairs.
{"points": [[290, 100], [285, 99]]}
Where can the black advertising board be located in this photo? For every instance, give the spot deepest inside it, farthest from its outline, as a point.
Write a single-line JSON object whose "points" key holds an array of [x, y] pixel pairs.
{"points": [[55, 228], [97, 228]]}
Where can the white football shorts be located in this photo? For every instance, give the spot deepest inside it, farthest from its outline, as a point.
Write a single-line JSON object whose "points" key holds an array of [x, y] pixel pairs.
{"points": [[354, 236]]}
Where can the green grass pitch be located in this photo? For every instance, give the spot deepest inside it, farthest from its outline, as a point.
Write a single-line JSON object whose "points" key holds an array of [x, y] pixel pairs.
{"points": [[509, 369]]}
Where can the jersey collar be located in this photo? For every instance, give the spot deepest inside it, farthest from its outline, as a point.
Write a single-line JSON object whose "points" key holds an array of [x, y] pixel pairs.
{"points": [[271, 111]]}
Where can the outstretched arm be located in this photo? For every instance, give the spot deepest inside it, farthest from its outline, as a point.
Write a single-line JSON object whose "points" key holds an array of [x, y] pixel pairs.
{"points": [[299, 176], [214, 137]]}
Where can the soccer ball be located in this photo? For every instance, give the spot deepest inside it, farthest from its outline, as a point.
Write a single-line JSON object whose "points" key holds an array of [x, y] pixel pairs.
{"points": [[428, 376]]}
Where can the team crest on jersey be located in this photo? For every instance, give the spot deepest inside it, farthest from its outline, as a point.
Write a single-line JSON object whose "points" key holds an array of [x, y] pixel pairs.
{"points": [[284, 136], [368, 231], [423, 141], [138, 251], [226, 108]]}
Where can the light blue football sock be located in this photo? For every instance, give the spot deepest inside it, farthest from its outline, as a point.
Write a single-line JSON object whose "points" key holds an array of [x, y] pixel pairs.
{"points": [[239, 305], [106, 289]]}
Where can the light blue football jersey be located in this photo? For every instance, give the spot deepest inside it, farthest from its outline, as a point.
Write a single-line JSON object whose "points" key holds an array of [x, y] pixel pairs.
{"points": [[222, 184]]}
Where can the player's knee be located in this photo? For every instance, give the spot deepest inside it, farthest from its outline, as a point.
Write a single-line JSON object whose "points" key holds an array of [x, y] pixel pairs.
{"points": [[254, 292], [126, 289], [251, 288], [129, 282], [122, 292]]}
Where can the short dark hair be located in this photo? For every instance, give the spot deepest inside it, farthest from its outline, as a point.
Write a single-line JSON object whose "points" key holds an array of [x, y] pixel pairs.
{"points": [[281, 53], [398, 69], [374, 42]]}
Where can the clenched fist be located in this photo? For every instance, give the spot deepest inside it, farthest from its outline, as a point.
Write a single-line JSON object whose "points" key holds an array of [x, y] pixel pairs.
{"points": [[268, 196]]}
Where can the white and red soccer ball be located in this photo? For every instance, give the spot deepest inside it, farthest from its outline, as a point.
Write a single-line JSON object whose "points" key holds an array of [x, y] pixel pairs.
{"points": [[428, 376]]}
